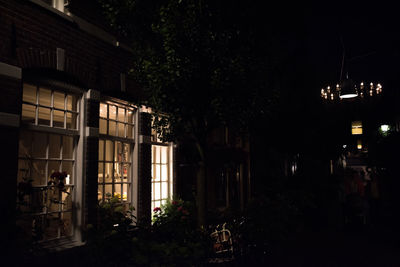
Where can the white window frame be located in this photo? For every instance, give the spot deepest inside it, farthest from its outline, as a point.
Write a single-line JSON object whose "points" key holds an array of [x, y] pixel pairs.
{"points": [[170, 171], [132, 141], [77, 158]]}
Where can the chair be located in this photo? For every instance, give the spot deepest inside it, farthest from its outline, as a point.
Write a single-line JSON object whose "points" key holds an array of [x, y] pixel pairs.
{"points": [[223, 245]]}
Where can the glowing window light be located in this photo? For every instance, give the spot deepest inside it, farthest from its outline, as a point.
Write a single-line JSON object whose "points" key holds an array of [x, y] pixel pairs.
{"points": [[356, 128]]}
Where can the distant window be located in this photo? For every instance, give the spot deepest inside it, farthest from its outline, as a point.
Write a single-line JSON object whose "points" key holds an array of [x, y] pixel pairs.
{"points": [[356, 127]]}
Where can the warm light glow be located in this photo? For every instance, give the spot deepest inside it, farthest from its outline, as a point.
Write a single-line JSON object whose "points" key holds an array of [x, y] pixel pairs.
{"points": [[384, 128], [359, 144], [356, 128], [348, 96]]}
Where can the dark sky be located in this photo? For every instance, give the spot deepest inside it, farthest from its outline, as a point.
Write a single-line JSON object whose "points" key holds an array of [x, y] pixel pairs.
{"points": [[370, 34]]}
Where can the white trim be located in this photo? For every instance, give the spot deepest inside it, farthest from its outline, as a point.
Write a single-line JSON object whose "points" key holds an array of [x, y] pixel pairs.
{"points": [[9, 119], [93, 94], [80, 175], [135, 169], [10, 71], [146, 139], [52, 9], [92, 131]]}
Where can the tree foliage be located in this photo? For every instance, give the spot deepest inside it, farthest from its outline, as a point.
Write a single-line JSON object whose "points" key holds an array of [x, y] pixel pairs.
{"points": [[201, 62]]}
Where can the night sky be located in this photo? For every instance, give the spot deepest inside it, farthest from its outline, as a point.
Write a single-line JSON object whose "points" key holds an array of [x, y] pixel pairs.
{"points": [[370, 36]]}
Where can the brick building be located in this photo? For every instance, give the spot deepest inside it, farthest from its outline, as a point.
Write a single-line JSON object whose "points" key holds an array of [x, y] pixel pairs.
{"points": [[72, 135], [66, 106]]}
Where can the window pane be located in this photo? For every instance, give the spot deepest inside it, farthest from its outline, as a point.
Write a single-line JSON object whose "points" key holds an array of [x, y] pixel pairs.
{"points": [[100, 172], [54, 166], [126, 171], [108, 172], [51, 226], [121, 130], [112, 112], [117, 172], [157, 174], [108, 191], [66, 224], [125, 188], [157, 191], [164, 172], [55, 146], [103, 110], [100, 190], [103, 126], [39, 172], [23, 171], [67, 166], [129, 131], [25, 144], [130, 116], [72, 102], [164, 190], [44, 97], [66, 198], [44, 116], [117, 191], [112, 128], [59, 100], [58, 118], [71, 120], [28, 113], [68, 147], [101, 150], [118, 151], [29, 93], [164, 154], [157, 154], [39, 144], [121, 114], [109, 150], [126, 153]]}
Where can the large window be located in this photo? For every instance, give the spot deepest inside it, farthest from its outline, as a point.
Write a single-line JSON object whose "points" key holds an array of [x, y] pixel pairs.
{"points": [[161, 172], [46, 166], [115, 151]]}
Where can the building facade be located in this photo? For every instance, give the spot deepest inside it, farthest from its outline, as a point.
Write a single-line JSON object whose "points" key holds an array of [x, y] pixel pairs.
{"points": [[72, 134]]}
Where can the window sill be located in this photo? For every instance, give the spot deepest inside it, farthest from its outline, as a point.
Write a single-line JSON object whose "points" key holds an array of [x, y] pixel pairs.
{"points": [[61, 244]]}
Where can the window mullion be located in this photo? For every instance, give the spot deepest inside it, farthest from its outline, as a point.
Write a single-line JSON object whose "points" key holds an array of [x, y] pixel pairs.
{"points": [[51, 107], [37, 106]]}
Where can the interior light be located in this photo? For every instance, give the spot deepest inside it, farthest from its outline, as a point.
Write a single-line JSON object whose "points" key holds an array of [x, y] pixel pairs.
{"points": [[384, 128], [359, 144]]}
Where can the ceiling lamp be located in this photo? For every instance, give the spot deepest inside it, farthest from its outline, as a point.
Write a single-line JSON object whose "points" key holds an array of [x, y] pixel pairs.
{"points": [[348, 89]]}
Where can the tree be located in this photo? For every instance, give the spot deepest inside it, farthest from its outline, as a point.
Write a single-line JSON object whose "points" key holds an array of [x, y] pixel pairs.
{"points": [[203, 63]]}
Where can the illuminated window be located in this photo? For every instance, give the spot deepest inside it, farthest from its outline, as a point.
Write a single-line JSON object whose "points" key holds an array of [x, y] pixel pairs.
{"points": [[115, 151], [161, 173], [47, 145], [356, 127]]}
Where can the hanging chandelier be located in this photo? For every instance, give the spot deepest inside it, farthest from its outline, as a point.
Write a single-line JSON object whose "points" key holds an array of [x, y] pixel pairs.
{"points": [[348, 89]]}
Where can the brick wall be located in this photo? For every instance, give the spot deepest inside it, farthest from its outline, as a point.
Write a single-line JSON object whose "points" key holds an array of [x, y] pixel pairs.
{"points": [[31, 35], [144, 183]]}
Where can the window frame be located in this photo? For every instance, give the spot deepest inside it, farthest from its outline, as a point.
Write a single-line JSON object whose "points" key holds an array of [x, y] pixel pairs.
{"points": [[47, 130], [155, 141], [126, 139]]}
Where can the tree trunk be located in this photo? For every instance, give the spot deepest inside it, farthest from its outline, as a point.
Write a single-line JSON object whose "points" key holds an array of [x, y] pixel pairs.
{"points": [[201, 194]]}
